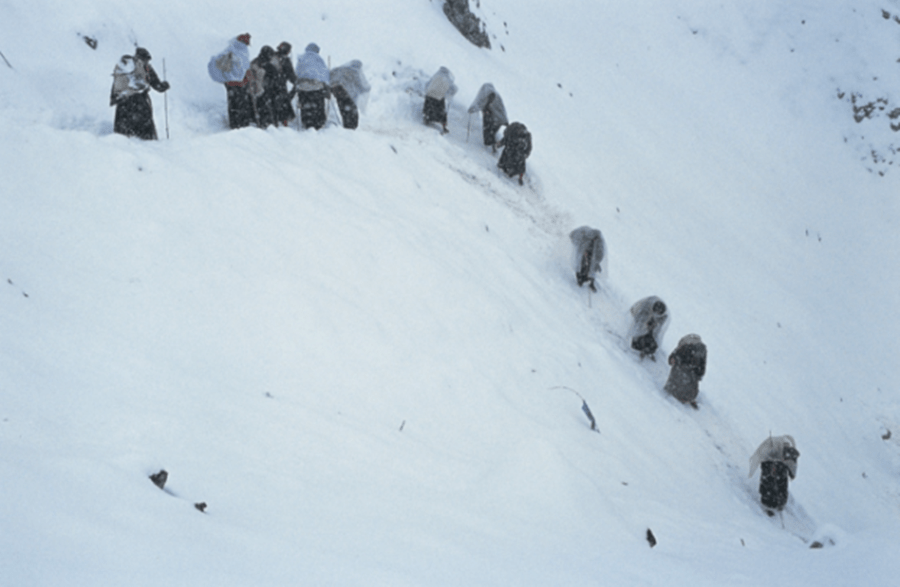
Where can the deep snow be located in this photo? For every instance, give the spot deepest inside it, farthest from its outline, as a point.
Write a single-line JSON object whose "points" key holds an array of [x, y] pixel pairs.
{"points": [[366, 352]]}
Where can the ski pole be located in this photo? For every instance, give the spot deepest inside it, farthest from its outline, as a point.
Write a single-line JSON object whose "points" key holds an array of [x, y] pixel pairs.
{"points": [[468, 127], [166, 100]]}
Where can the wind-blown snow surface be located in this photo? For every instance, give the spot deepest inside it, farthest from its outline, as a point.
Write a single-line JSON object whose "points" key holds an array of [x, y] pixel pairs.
{"points": [[362, 349]]}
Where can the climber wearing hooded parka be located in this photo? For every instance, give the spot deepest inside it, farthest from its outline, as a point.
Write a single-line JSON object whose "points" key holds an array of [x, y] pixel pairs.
{"points": [[312, 87], [350, 88], [651, 319], [589, 254], [493, 114], [437, 90], [777, 456]]}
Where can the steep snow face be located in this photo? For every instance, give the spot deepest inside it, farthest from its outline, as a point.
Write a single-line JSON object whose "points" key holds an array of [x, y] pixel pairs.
{"points": [[365, 350]]}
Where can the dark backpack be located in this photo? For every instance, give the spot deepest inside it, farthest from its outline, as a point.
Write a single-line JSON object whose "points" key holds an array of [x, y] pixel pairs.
{"points": [[692, 356], [518, 139]]}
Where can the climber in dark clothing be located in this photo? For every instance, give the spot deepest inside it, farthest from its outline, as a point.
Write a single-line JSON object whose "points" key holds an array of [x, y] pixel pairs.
{"points": [[688, 362], [516, 143], [281, 102], [264, 86], [132, 79], [777, 459]]}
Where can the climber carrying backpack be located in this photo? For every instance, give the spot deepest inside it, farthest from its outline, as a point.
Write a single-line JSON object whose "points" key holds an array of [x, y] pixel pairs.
{"points": [[230, 67], [133, 77], [777, 458], [516, 143]]}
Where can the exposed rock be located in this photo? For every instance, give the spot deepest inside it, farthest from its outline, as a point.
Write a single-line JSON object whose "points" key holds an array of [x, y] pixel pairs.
{"points": [[468, 24], [159, 479]]}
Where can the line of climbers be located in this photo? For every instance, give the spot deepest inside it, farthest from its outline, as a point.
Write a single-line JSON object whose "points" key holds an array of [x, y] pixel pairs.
{"points": [[257, 92], [516, 141], [776, 456]]}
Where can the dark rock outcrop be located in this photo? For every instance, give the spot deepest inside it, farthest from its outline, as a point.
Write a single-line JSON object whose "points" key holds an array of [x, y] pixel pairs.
{"points": [[468, 24]]}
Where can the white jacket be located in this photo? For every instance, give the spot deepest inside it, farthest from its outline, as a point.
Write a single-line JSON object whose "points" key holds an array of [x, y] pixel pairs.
{"points": [[441, 85], [773, 449]]}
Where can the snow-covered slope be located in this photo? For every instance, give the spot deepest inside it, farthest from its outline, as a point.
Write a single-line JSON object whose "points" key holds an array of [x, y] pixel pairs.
{"points": [[365, 350]]}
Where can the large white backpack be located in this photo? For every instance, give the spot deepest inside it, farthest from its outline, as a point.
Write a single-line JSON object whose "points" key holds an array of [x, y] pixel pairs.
{"points": [[129, 78]]}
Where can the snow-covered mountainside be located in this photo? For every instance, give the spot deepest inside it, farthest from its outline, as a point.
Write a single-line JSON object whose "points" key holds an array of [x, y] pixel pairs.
{"points": [[365, 351]]}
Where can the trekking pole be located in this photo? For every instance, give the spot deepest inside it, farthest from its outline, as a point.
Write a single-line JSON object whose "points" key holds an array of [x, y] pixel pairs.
{"points": [[337, 111], [166, 100], [291, 96], [328, 89]]}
